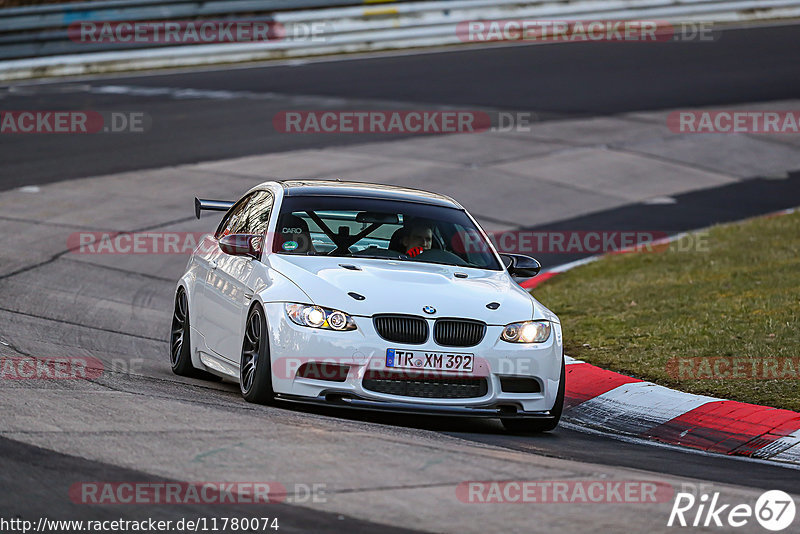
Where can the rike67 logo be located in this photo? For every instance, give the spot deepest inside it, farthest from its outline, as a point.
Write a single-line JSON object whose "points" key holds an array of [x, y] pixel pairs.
{"points": [[774, 510]]}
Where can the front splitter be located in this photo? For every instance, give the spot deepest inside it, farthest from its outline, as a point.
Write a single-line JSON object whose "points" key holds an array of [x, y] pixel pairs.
{"points": [[358, 403]]}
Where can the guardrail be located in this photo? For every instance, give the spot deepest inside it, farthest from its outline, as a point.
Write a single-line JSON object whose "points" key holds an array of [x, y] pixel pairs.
{"points": [[55, 15], [35, 41], [43, 30]]}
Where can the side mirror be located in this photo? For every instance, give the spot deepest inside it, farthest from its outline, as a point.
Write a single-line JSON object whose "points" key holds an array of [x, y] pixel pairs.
{"points": [[242, 245], [519, 266]]}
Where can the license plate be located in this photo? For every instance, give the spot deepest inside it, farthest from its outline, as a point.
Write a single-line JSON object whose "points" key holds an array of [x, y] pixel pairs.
{"points": [[440, 361]]}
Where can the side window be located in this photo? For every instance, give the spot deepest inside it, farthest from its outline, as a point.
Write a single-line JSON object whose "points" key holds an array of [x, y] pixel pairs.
{"points": [[256, 218], [249, 216], [231, 219]]}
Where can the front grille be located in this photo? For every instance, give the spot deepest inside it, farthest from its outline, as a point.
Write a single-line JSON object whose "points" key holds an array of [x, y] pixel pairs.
{"points": [[458, 332], [408, 385], [402, 328]]}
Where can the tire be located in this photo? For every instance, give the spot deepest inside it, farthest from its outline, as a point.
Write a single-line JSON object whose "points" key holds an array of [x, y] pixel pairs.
{"points": [[255, 373], [535, 426], [180, 355]]}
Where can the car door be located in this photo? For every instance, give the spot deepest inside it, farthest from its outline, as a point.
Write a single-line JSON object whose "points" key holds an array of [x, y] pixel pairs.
{"points": [[228, 290], [206, 259]]}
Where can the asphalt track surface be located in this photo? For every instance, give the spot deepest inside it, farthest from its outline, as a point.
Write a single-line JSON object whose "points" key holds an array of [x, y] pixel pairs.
{"points": [[576, 444], [550, 80], [45, 477], [754, 65]]}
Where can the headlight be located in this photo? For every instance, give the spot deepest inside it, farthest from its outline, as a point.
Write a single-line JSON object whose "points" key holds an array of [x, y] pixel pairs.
{"points": [[319, 317], [527, 332]]}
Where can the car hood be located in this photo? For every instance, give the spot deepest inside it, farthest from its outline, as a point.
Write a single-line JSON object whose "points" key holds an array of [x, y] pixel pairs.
{"points": [[406, 287]]}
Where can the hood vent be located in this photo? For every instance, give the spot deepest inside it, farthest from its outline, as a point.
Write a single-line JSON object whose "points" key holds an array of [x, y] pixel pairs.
{"points": [[356, 295]]}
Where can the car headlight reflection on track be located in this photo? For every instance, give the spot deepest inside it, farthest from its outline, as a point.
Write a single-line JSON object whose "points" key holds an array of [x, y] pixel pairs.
{"points": [[527, 332], [319, 317]]}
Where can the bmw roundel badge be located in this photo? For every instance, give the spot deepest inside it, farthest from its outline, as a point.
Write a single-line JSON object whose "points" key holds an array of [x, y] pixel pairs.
{"points": [[429, 309]]}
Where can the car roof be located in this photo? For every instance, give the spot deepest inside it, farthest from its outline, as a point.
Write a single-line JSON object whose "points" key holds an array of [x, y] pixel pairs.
{"points": [[336, 188]]}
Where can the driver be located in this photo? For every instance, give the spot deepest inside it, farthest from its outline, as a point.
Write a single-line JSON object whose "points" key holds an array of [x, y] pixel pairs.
{"points": [[417, 237]]}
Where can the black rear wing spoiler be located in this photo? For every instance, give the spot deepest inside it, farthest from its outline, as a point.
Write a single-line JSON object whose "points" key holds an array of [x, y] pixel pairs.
{"points": [[210, 205]]}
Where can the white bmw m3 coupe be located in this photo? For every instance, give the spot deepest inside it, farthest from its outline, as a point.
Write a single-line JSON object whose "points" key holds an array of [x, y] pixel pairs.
{"points": [[367, 296]]}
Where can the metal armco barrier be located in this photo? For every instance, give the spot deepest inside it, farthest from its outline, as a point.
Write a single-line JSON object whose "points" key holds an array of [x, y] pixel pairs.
{"points": [[36, 40]]}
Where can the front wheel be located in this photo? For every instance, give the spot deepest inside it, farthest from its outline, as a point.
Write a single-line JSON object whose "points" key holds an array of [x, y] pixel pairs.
{"points": [[255, 375], [534, 426]]}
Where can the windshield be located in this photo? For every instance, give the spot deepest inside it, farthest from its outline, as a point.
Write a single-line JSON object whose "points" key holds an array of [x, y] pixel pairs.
{"points": [[384, 229]]}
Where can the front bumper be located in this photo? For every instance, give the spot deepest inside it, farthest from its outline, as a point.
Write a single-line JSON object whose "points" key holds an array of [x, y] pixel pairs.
{"points": [[363, 350], [338, 400]]}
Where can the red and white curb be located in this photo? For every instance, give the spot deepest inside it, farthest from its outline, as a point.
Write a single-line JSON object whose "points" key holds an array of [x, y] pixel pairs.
{"points": [[619, 404]]}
